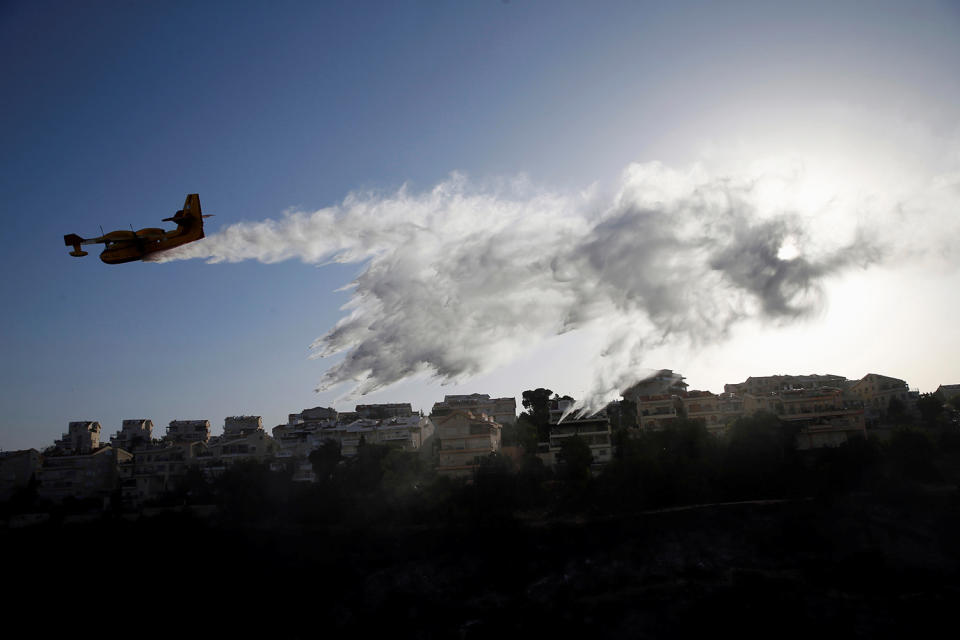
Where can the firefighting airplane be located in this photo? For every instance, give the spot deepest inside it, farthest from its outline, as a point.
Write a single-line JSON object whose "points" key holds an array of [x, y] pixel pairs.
{"points": [[127, 246]]}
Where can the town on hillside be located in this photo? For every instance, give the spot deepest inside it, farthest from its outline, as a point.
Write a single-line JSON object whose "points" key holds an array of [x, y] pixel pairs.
{"points": [[135, 467]]}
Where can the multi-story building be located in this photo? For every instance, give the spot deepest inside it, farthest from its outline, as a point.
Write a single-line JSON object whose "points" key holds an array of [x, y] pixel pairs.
{"points": [[303, 433], [706, 406], [243, 439], [465, 439], [758, 385], [948, 391], [317, 415], [657, 411], [158, 469], [16, 469], [731, 406], [716, 411], [594, 430], [346, 417], [503, 410], [236, 426], [188, 431], [662, 383], [300, 436], [822, 417], [876, 392], [82, 436], [133, 435], [80, 473], [655, 398], [293, 451], [384, 411], [410, 433]]}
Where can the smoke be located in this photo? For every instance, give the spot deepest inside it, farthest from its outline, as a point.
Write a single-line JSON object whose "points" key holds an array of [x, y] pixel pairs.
{"points": [[462, 278]]}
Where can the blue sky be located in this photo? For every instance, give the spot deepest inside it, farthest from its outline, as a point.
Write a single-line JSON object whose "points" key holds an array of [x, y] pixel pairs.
{"points": [[110, 113]]}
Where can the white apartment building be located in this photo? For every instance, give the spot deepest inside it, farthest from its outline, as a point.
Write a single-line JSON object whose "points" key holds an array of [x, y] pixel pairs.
{"points": [[502, 410], [465, 439]]}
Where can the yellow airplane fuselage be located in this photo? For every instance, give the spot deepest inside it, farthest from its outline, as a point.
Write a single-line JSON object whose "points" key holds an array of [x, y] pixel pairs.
{"points": [[127, 246], [121, 251]]}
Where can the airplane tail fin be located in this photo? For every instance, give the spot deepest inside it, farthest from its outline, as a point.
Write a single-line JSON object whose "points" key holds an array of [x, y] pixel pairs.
{"points": [[75, 240], [190, 218], [190, 212]]}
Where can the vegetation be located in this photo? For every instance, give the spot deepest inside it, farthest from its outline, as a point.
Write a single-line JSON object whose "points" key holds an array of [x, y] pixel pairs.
{"points": [[679, 465], [523, 433], [537, 405], [930, 406], [388, 546]]}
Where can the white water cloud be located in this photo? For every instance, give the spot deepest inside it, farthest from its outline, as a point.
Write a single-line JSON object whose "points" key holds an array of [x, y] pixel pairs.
{"points": [[462, 278]]}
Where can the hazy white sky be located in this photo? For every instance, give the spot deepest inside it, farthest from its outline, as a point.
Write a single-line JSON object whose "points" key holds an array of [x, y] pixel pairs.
{"points": [[835, 125]]}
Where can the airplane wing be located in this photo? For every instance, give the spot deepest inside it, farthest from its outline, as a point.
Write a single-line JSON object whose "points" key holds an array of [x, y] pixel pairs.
{"points": [[72, 238], [143, 235]]}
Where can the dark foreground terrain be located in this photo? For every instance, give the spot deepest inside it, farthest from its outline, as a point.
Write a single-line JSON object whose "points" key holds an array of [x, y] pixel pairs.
{"points": [[852, 567]]}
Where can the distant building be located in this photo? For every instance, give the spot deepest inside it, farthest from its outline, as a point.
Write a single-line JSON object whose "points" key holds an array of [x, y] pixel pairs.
{"points": [[83, 436], [876, 392], [773, 384], [662, 383], [465, 439], [188, 431], [243, 439], [656, 399], [657, 412], [503, 410], [731, 406], [384, 411], [594, 430], [948, 391], [300, 437], [133, 435], [410, 433], [822, 417], [708, 407], [16, 469], [158, 469], [717, 412], [303, 433], [315, 415], [86, 474], [236, 426]]}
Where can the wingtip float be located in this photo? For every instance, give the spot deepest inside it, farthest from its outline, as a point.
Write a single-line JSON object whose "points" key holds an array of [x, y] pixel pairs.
{"points": [[127, 246]]}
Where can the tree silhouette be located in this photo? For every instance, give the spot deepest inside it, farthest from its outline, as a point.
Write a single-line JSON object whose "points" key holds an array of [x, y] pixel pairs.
{"points": [[537, 404], [575, 459], [930, 406], [324, 460]]}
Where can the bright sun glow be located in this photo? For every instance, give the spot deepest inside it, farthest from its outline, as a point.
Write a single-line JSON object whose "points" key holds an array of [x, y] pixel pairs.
{"points": [[788, 250]]}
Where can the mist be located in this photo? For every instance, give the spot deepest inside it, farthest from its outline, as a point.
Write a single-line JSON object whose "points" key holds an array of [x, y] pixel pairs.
{"points": [[464, 277]]}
